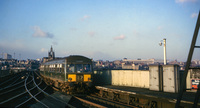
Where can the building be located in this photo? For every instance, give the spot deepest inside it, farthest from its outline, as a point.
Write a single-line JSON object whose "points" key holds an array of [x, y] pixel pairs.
{"points": [[7, 56], [127, 66], [51, 54], [45, 59]]}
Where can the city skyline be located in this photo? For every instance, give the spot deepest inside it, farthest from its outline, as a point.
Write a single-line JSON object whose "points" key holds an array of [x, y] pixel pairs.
{"points": [[98, 29]]}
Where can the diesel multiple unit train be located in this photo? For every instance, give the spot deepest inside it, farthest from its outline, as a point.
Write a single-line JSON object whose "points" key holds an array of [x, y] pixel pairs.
{"points": [[69, 74]]}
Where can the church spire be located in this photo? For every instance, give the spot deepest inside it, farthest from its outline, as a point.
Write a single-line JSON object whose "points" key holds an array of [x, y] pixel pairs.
{"points": [[51, 48], [51, 54]]}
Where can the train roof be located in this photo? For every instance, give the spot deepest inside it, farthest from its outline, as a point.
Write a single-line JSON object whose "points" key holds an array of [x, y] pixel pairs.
{"points": [[71, 58], [56, 61], [75, 58]]}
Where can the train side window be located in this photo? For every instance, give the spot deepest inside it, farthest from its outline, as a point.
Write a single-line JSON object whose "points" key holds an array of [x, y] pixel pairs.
{"points": [[79, 68], [86, 68], [71, 68]]}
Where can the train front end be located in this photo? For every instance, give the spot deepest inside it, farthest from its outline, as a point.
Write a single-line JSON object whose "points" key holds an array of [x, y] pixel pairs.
{"points": [[79, 73]]}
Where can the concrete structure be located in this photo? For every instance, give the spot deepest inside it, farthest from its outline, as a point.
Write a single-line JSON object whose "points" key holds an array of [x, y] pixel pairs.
{"points": [[138, 61], [171, 78], [7, 56], [155, 77], [127, 66], [165, 78], [144, 98], [130, 78]]}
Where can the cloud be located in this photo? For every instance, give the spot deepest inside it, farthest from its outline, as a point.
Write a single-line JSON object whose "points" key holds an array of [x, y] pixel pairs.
{"points": [[194, 15], [121, 37], [91, 33], [185, 1], [43, 50], [159, 27], [39, 33], [85, 17]]}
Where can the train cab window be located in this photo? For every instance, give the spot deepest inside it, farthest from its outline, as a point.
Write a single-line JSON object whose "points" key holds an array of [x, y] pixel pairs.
{"points": [[79, 68], [86, 68], [71, 68]]}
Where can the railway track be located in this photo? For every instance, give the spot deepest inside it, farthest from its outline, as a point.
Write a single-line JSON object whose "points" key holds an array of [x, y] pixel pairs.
{"points": [[10, 80], [97, 102], [113, 103], [48, 101], [28, 90]]}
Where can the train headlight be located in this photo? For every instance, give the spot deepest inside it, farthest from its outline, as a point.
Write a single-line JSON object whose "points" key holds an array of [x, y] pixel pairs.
{"points": [[70, 79]]}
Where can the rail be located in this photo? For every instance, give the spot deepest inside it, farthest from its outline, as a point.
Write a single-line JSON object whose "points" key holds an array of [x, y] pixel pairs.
{"points": [[9, 80], [89, 102], [31, 94], [13, 97], [8, 87], [49, 94]]}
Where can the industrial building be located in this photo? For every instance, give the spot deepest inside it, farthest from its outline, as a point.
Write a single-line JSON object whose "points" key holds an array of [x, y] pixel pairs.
{"points": [[7, 56]]}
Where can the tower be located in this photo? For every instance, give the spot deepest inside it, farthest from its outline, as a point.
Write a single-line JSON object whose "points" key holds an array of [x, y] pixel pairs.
{"points": [[51, 54]]}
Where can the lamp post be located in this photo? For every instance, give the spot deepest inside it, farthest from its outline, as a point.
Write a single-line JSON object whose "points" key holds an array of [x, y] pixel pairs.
{"points": [[165, 56]]}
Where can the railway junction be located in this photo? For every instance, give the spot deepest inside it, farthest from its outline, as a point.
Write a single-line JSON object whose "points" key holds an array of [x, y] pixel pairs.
{"points": [[28, 89]]}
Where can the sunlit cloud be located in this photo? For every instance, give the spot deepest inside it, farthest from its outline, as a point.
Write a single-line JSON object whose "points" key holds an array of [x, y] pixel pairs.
{"points": [[160, 28], [194, 15], [43, 50], [91, 33], [40, 33], [121, 37], [85, 17], [185, 1]]}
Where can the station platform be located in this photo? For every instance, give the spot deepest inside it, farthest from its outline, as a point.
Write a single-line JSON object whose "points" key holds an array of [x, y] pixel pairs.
{"points": [[188, 97]]}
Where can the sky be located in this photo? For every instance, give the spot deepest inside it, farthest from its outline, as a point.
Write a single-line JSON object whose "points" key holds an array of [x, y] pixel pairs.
{"points": [[98, 29]]}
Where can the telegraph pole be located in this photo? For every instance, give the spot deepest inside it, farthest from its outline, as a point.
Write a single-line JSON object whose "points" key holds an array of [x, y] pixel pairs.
{"points": [[165, 55]]}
